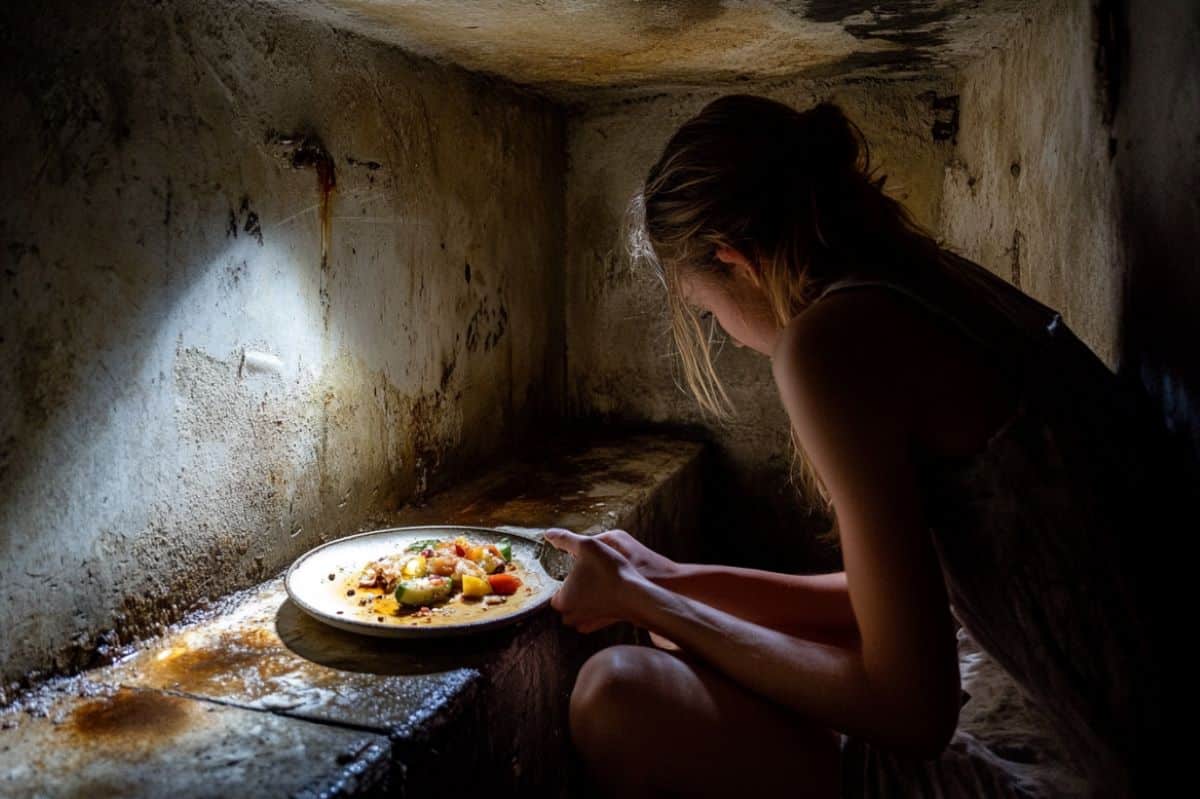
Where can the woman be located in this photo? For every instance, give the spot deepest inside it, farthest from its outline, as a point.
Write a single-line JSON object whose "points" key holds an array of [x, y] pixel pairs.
{"points": [[984, 468]]}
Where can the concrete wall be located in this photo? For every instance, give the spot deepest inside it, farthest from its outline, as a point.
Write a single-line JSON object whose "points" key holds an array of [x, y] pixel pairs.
{"points": [[1030, 192], [192, 394], [1076, 175], [620, 363]]}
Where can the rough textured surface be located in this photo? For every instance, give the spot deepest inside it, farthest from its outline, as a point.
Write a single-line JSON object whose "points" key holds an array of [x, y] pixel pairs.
{"points": [[1076, 176], [570, 48], [258, 651], [133, 743], [260, 278], [620, 353], [1030, 191]]}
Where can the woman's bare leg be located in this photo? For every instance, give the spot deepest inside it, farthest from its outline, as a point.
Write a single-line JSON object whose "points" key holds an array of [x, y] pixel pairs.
{"points": [[650, 722]]}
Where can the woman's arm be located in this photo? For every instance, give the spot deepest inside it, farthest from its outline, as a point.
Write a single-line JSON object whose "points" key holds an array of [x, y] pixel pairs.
{"points": [[900, 688], [779, 601], [828, 684], [810, 605]]}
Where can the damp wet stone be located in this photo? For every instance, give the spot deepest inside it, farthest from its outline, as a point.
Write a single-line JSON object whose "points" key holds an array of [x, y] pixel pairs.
{"points": [[132, 742], [255, 674]]}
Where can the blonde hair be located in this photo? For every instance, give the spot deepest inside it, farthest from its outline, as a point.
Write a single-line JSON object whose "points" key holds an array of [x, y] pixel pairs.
{"points": [[792, 191]]}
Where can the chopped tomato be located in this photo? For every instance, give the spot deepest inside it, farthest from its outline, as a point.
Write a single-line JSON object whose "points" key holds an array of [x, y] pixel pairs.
{"points": [[460, 550], [504, 583]]}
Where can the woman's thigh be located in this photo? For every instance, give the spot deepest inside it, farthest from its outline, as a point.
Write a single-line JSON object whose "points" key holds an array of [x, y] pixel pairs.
{"points": [[652, 721]]}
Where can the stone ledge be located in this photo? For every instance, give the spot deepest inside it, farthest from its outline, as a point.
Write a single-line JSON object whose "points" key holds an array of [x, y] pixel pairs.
{"points": [[99, 740], [491, 707]]}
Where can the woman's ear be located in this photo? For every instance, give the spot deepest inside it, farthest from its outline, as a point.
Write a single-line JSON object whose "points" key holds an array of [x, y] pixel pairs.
{"points": [[739, 263]]}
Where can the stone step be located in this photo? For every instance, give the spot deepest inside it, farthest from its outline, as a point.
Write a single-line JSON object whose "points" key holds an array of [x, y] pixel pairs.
{"points": [[489, 709], [96, 740]]}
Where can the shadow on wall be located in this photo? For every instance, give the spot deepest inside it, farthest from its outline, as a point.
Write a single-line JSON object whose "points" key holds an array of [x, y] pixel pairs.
{"points": [[1148, 58]]}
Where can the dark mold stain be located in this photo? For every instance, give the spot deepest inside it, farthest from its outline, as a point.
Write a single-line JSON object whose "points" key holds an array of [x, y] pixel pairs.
{"points": [[311, 153], [129, 714], [371, 165], [244, 219], [7, 447], [836, 10], [917, 28], [1112, 48], [466, 267], [487, 327], [945, 115], [235, 271], [251, 224], [1014, 253]]}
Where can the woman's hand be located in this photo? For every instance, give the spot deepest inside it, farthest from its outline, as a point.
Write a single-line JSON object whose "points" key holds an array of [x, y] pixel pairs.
{"points": [[650, 564], [603, 587]]}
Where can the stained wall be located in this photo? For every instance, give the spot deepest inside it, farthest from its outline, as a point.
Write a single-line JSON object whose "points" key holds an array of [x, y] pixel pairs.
{"points": [[1076, 176], [210, 363]]}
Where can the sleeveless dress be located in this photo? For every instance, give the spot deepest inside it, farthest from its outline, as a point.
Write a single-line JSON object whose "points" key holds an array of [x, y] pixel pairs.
{"points": [[1043, 542]]}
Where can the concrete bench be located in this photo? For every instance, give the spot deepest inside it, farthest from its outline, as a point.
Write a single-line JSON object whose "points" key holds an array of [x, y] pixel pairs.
{"points": [[252, 697]]}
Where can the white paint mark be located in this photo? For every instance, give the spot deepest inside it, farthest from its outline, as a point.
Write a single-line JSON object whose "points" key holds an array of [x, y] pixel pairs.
{"points": [[255, 362]]}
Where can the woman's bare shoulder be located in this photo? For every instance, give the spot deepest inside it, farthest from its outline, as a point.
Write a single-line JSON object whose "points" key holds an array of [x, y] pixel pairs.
{"points": [[877, 351], [864, 335], [851, 353]]}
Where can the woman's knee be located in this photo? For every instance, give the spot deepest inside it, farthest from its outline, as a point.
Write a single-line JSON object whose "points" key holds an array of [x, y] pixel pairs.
{"points": [[614, 686]]}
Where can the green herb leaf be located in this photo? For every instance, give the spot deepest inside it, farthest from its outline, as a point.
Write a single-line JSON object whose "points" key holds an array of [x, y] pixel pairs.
{"points": [[418, 546]]}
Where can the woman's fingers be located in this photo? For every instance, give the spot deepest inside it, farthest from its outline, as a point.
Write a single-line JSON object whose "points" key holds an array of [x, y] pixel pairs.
{"points": [[563, 539]]}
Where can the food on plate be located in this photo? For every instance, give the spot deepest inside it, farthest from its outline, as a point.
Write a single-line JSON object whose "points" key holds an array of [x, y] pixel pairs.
{"points": [[438, 572]]}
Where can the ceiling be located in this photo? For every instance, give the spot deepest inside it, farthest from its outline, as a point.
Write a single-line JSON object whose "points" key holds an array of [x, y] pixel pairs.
{"points": [[567, 47]]}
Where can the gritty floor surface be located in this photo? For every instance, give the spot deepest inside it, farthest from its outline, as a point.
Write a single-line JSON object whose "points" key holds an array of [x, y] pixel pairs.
{"points": [[255, 693]]}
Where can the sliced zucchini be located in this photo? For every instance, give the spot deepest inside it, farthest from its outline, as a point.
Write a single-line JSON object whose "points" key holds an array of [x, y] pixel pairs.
{"points": [[423, 591]]}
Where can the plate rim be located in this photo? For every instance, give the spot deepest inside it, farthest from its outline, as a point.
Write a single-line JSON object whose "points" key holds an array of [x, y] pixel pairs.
{"points": [[383, 631]]}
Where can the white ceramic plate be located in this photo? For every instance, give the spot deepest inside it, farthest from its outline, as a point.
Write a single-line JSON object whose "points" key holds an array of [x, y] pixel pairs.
{"points": [[324, 583]]}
